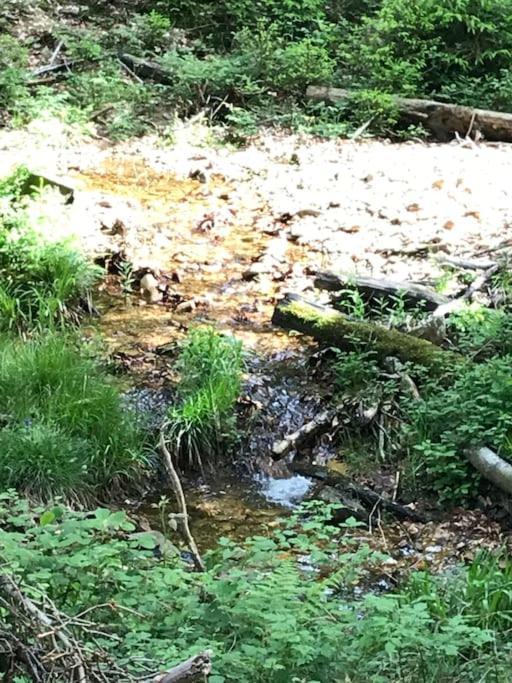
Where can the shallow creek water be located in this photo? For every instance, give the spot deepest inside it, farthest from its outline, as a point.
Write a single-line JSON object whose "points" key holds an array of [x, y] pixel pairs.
{"points": [[205, 263], [201, 238]]}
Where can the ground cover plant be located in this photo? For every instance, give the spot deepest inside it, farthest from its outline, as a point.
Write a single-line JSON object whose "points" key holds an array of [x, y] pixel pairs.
{"points": [[201, 427], [154, 611], [248, 64], [64, 427], [42, 282]]}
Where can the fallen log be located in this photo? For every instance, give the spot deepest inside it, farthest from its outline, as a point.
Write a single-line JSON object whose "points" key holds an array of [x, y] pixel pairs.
{"points": [[443, 120], [146, 69], [367, 497], [373, 288], [467, 264], [492, 467], [194, 670], [301, 436], [332, 327]]}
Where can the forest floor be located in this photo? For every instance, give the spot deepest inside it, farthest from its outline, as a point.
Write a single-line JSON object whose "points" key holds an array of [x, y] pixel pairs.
{"points": [[225, 232]]}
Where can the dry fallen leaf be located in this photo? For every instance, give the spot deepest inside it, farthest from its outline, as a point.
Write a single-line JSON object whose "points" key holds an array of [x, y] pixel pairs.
{"points": [[449, 225]]}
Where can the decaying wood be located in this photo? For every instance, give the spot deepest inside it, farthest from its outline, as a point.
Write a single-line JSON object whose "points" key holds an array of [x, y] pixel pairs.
{"points": [[194, 670], [332, 327], [182, 517], [146, 69], [480, 281], [492, 467], [443, 120], [466, 264], [373, 288], [371, 500], [67, 647], [301, 436]]}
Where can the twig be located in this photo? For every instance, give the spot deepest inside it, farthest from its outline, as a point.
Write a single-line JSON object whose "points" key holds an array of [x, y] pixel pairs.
{"points": [[11, 589], [56, 52], [182, 504]]}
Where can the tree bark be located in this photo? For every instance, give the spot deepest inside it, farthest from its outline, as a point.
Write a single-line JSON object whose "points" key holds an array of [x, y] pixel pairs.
{"points": [[373, 288], [331, 327], [492, 467], [194, 670], [442, 119], [146, 69], [368, 498]]}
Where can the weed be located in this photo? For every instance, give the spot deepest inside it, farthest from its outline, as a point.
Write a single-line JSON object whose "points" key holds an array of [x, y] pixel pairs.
{"points": [[202, 426], [446, 628], [41, 282], [65, 428]]}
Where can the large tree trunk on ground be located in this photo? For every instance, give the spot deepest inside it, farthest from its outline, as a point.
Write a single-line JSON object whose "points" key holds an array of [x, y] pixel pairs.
{"points": [[331, 327], [492, 467], [373, 288], [442, 119]]}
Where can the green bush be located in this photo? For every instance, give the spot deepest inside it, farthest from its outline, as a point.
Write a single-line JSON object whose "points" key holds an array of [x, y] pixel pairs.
{"points": [[13, 72], [65, 429], [474, 410], [202, 426], [150, 613]]}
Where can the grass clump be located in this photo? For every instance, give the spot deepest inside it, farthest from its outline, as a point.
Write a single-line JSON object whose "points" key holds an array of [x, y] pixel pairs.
{"points": [[202, 426], [41, 282], [65, 430]]}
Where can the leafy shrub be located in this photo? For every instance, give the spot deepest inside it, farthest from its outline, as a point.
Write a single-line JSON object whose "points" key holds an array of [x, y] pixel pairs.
{"points": [[203, 425], [473, 411], [482, 332], [13, 72], [155, 612], [65, 429], [355, 372]]}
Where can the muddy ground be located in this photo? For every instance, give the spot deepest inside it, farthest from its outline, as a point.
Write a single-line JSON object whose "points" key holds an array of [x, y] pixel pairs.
{"points": [[225, 232]]}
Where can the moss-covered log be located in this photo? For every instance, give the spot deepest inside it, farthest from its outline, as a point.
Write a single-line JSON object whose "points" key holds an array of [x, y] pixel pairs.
{"points": [[331, 327]]}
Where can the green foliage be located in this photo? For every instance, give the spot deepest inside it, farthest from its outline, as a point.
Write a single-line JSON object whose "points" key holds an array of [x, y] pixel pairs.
{"points": [[482, 332], [144, 33], [155, 611], [65, 429], [202, 426], [473, 411], [41, 282], [13, 72], [242, 53], [355, 372]]}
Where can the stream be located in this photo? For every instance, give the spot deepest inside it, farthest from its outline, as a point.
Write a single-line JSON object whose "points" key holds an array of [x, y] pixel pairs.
{"points": [[222, 238]]}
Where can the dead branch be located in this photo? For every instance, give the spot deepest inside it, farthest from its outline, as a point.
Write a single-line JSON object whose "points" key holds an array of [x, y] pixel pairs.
{"points": [[182, 518], [492, 467], [373, 288], [304, 434], [332, 327], [193, 670]]}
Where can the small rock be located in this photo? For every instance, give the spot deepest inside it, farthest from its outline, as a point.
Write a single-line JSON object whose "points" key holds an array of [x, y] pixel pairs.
{"points": [[149, 289]]}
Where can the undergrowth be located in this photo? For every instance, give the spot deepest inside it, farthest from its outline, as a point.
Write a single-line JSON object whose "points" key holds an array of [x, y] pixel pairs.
{"points": [[422, 424], [202, 427], [264, 617], [42, 281], [248, 64], [64, 427]]}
